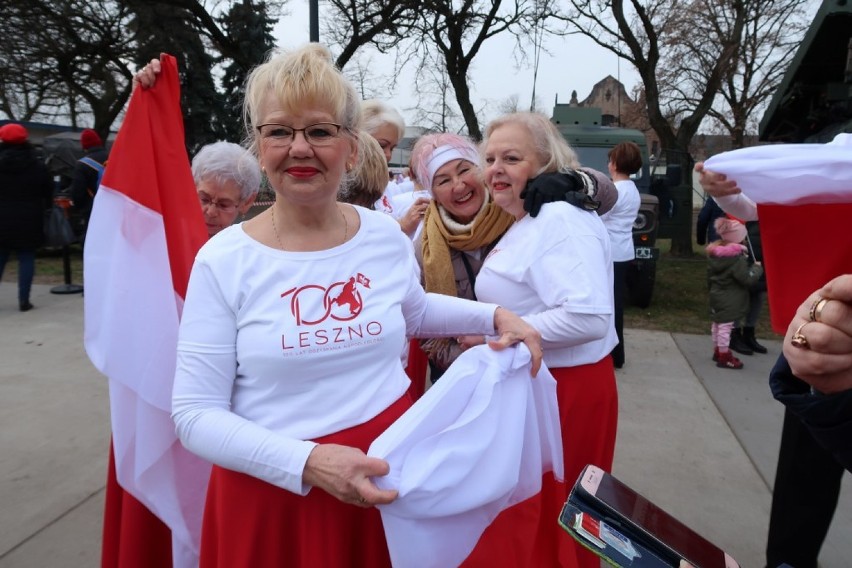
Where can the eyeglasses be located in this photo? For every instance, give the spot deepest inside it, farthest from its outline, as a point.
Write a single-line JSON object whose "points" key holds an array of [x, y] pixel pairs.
{"points": [[319, 134], [223, 206]]}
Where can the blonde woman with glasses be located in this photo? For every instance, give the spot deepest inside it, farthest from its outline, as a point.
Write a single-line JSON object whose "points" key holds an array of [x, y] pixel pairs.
{"points": [[288, 355]]}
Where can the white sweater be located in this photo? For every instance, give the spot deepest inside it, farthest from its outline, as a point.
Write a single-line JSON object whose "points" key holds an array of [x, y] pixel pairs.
{"points": [[277, 348]]}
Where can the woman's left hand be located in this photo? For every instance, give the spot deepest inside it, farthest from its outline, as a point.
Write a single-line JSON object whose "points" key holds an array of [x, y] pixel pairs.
{"points": [[821, 354], [512, 329]]}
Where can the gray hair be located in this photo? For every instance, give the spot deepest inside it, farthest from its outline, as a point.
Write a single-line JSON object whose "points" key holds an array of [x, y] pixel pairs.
{"points": [[377, 113], [221, 162]]}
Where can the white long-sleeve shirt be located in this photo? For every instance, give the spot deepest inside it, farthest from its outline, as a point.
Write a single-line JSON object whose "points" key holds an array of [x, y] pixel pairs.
{"points": [[739, 205], [277, 348], [555, 270], [619, 221]]}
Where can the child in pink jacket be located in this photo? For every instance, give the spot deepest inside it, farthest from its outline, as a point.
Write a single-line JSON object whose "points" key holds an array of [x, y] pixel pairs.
{"points": [[729, 277]]}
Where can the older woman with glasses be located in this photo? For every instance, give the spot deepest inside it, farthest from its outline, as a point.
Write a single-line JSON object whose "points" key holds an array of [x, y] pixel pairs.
{"points": [[288, 355], [227, 178]]}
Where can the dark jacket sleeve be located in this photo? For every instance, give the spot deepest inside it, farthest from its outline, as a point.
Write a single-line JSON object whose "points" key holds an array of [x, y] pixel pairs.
{"points": [[827, 417], [702, 222], [80, 184]]}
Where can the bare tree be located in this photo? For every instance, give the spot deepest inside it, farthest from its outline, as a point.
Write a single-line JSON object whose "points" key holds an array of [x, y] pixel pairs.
{"points": [[510, 104], [361, 71], [435, 109], [65, 58], [353, 24], [455, 32], [682, 52], [772, 30]]}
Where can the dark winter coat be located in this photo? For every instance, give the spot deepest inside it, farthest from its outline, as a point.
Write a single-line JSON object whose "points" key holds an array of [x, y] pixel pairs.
{"points": [[26, 191], [729, 277], [84, 184], [827, 417], [705, 232]]}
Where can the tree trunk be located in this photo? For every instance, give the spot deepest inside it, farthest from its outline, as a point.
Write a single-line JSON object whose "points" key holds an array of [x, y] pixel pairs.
{"points": [[682, 196]]}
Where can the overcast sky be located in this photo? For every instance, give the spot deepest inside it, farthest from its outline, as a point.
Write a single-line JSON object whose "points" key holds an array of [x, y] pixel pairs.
{"points": [[575, 63]]}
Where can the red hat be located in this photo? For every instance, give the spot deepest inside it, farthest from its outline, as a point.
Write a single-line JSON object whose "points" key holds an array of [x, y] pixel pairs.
{"points": [[13, 133], [89, 139]]}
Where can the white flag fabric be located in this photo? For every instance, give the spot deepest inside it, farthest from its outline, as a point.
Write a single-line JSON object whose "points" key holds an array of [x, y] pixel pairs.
{"points": [[476, 443], [791, 174], [145, 229]]}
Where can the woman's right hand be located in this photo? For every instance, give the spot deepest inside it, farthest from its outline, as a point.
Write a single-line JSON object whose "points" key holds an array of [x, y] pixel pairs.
{"points": [[414, 215], [345, 473], [715, 184], [147, 76]]}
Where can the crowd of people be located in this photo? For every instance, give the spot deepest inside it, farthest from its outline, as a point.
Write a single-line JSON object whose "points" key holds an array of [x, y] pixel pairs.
{"points": [[292, 353]]}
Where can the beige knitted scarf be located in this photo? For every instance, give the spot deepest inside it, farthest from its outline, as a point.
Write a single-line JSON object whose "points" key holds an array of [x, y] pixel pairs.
{"points": [[438, 240]]}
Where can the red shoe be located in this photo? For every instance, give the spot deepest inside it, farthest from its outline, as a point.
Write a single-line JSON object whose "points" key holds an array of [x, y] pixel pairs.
{"points": [[728, 361], [715, 353]]}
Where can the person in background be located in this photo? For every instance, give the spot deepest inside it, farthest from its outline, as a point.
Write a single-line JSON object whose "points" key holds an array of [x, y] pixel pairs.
{"points": [[807, 477], [288, 354], [227, 179], [385, 124], [624, 160], [369, 176], [554, 267], [409, 206], [26, 192], [87, 173], [743, 338], [729, 278], [705, 231]]}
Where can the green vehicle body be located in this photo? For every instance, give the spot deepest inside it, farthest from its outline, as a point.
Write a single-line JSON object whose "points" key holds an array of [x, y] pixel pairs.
{"points": [[581, 127], [813, 103]]}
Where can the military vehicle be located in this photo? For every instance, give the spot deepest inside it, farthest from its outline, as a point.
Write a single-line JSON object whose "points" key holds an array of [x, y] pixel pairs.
{"points": [[814, 101], [582, 128]]}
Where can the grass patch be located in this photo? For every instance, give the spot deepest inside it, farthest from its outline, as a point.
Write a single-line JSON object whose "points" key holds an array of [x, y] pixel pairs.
{"points": [[50, 266], [680, 303]]}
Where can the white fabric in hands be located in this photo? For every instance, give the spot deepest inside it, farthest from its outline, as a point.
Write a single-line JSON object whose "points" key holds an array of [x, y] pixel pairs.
{"points": [[475, 444], [791, 174]]}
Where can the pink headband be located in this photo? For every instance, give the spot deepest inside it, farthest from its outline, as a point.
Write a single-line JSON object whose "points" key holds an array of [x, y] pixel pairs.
{"points": [[446, 153]]}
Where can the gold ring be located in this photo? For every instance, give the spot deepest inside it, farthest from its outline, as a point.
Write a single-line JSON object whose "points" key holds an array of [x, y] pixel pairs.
{"points": [[816, 309], [362, 500], [799, 340]]}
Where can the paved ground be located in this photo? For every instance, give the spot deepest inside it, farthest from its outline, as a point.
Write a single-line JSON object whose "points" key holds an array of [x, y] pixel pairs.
{"points": [[700, 441]]}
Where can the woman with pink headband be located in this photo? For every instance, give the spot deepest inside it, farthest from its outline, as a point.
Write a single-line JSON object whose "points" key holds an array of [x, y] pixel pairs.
{"points": [[460, 226]]}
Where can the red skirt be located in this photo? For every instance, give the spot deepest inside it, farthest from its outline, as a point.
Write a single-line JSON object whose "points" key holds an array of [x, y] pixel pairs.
{"points": [[133, 537], [251, 523], [528, 534], [416, 369]]}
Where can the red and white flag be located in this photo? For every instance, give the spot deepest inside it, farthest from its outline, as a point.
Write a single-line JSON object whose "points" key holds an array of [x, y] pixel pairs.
{"points": [[145, 229]]}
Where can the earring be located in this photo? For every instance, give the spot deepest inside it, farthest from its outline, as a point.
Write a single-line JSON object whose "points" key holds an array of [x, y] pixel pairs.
{"points": [[348, 167]]}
